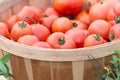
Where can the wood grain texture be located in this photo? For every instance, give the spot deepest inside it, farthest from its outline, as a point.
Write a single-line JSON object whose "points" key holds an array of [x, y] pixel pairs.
{"points": [[62, 70], [18, 68], [92, 68], [78, 70], [41, 70]]}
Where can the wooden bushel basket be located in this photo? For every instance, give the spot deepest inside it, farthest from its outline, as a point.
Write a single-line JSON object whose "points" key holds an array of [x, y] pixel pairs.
{"points": [[29, 63]]}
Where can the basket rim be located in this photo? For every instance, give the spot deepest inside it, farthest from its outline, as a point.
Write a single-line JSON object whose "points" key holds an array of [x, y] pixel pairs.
{"points": [[77, 54]]}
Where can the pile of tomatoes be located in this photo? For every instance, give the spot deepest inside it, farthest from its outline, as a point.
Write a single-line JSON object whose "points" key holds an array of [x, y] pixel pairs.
{"points": [[67, 24]]}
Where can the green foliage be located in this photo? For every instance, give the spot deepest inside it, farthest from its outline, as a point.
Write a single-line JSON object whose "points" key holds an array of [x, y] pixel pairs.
{"points": [[112, 71], [4, 70]]}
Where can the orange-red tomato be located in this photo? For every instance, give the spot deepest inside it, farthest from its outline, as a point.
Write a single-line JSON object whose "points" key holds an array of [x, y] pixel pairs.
{"points": [[40, 31], [30, 11], [68, 7], [49, 10], [4, 30], [41, 44], [19, 29], [93, 40], [48, 21], [114, 32], [61, 24], [83, 16], [99, 11], [90, 3], [28, 39], [58, 40], [101, 27], [78, 36], [114, 14], [78, 24], [10, 21]]}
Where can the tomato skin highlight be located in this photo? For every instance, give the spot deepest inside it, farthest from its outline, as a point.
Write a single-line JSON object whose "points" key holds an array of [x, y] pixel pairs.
{"points": [[91, 40], [19, 29], [61, 24], [114, 32], [4, 30], [28, 40], [68, 7], [78, 36], [58, 40]]}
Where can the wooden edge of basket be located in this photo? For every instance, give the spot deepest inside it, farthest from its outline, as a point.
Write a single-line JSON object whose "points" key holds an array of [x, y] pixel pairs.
{"points": [[58, 54], [5, 4]]}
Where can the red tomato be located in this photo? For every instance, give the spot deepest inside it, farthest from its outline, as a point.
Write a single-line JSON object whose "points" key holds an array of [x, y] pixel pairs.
{"points": [[4, 30], [61, 24], [28, 39], [78, 24], [49, 10], [48, 21], [60, 41], [90, 3], [68, 7], [41, 44], [30, 11], [19, 29], [101, 27], [114, 14], [10, 21], [40, 31], [93, 40], [114, 32], [99, 11], [83, 16], [78, 36]]}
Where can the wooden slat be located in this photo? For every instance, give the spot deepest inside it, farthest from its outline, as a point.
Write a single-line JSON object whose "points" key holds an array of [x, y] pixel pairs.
{"points": [[18, 7], [28, 68], [62, 70], [40, 3], [18, 68], [41, 70], [78, 70], [91, 70]]}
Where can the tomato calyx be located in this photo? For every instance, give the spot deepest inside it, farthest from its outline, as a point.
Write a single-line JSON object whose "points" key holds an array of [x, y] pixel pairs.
{"points": [[44, 15], [89, 4], [97, 37], [61, 41], [27, 17], [22, 25], [74, 24], [117, 19], [111, 36]]}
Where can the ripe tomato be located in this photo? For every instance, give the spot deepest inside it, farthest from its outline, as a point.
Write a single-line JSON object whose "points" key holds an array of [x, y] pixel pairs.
{"points": [[10, 21], [83, 16], [30, 11], [19, 29], [49, 10], [68, 7], [101, 27], [48, 21], [78, 24], [78, 36], [4, 30], [114, 32], [114, 14], [28, 39], [90, 3], [99, 11], [60, 41], [61, 24], [41, 44], [40, 31], [93, 40]]}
